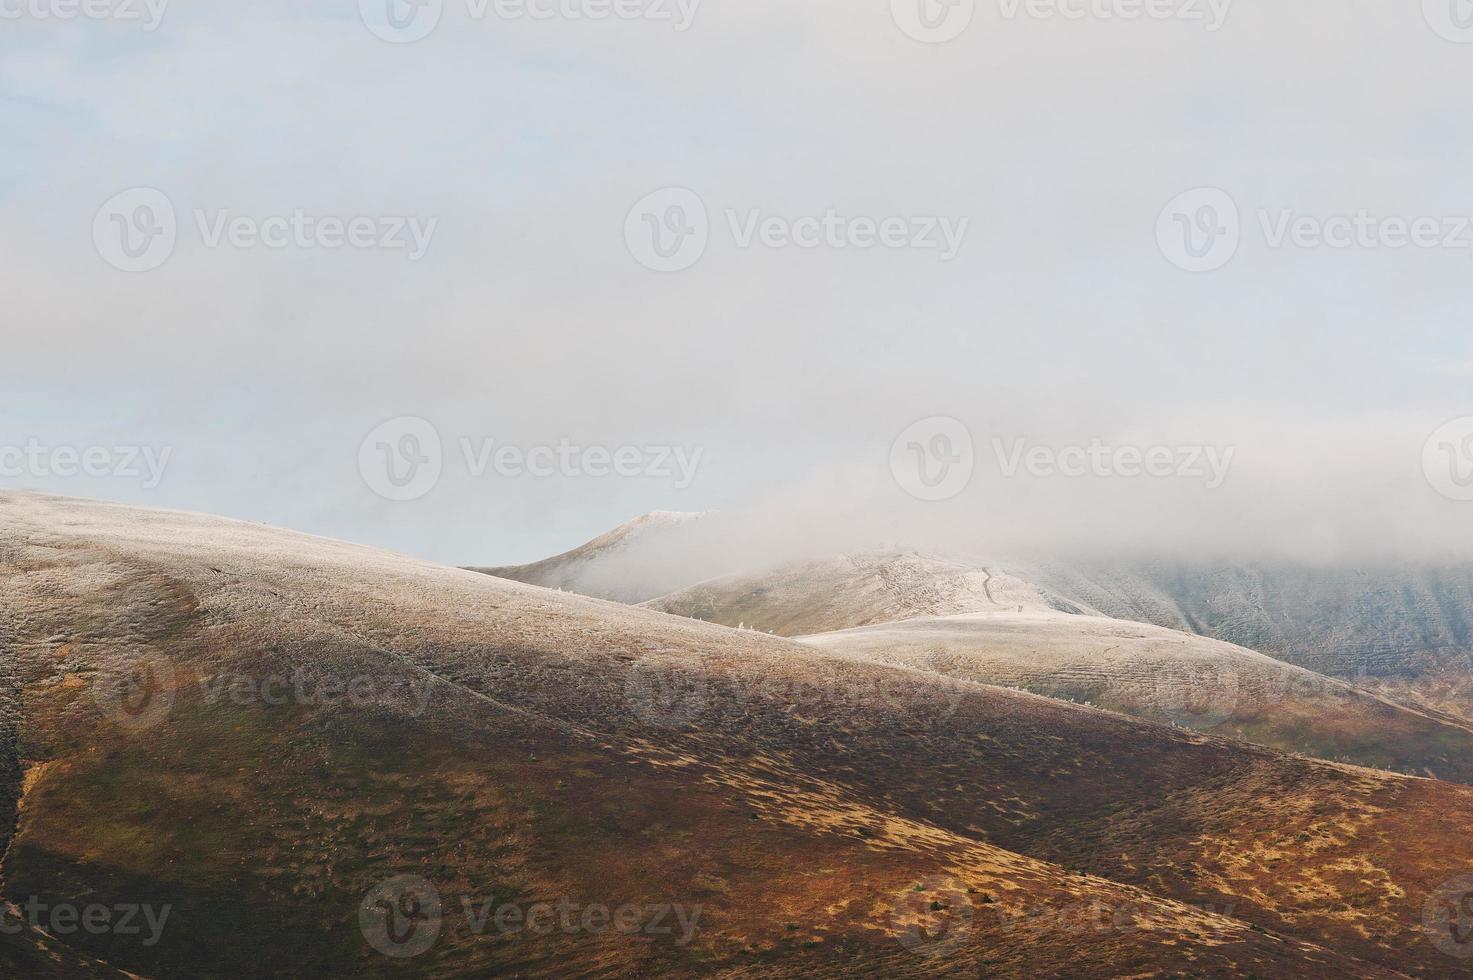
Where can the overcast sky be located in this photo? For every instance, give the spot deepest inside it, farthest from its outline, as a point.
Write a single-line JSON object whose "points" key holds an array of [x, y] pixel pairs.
{"points": [[1058, 313]]}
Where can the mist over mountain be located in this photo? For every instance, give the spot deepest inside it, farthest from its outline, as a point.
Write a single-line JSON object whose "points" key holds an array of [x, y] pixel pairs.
{"points": [[1377, 618]]}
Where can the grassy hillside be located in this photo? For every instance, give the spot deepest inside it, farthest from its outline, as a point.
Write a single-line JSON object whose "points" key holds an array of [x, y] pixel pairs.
{"points": [[305, 749]]}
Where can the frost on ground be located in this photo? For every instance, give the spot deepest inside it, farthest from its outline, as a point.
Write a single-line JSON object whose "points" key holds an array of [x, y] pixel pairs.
{"points": [[232, 720]]}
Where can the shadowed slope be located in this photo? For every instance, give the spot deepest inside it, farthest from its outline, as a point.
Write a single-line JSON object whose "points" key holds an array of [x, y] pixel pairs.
{"points": [[1378, 620], [1165, 676]]}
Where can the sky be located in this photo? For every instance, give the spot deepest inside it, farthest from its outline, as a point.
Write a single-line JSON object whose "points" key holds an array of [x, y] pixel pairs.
{"points": [[865, 271]]}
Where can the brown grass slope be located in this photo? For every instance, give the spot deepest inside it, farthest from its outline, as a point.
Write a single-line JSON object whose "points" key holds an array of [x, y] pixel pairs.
{"points": [[505, 743]]}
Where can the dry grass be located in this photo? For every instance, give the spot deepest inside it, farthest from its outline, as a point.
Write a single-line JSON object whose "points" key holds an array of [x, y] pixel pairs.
{"points": [[576, 748]]}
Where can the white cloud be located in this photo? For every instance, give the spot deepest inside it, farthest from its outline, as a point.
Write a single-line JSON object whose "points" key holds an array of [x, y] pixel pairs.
{"points": [[1060, 140]]}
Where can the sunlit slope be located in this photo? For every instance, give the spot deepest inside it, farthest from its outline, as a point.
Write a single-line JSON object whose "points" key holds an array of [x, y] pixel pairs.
{"points": [[514, 745], [809, 597]]}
